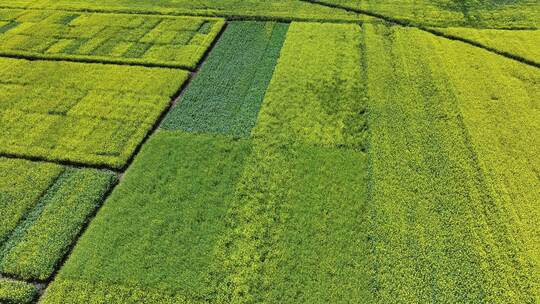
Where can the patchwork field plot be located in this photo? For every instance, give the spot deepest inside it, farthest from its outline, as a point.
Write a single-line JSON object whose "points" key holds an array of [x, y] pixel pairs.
{"points": [[85, 113], [44, 207], [227, 93], [281, 151], [116, 38]]}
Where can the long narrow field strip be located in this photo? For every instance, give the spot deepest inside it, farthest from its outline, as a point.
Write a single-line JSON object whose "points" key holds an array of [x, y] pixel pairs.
{"points": [[251, 9], [453, 189], [85, 113], [49, 226], [226, 95], [14, 292], [520, 43], [467, 13], [22, 183], [316, 92], [110, 38], [153, 241]]}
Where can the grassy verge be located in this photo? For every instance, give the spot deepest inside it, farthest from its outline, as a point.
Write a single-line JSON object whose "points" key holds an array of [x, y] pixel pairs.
{"points": [[273, 9], [226, 95]]}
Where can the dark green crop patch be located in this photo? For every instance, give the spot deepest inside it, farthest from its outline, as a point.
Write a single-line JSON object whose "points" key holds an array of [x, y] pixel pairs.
{"points": [[226, 95], [77, 112], [112, 38]]}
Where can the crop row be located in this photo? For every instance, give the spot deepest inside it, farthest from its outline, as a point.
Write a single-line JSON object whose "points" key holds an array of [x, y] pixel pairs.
{"points": [[118, 38], [43, 209], [316, 93], [85, 113], [226, 95]]}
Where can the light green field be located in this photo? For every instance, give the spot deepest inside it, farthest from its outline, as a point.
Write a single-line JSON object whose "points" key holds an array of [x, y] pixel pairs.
{"points": [[280, 151], [76, 112]]}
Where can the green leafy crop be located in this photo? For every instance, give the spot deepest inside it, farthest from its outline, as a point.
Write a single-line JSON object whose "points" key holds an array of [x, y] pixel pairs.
{"points": [[226, 95]]}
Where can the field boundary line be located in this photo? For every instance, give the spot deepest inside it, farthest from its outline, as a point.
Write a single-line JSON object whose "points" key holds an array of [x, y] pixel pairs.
{"points": [[227, 17], [429, 30], [38, 57]]}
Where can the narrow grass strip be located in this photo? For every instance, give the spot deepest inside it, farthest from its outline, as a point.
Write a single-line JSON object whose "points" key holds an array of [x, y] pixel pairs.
{"points": [[226, 95], [35, 249], [14, 292]]}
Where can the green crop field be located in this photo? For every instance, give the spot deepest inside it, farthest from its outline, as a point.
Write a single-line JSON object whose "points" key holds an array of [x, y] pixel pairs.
{"points": [[269, 151]]}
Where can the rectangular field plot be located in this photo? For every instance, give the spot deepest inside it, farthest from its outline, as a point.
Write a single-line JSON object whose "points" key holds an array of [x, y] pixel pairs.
{"points": [[226, 95], [204, 218], [16, 292], [108, 38], [153, 240], [315, 96], [43, 208], [77, 112], [454, 145]]}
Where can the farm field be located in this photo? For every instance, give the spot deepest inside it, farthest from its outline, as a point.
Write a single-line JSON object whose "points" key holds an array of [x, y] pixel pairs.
{"points": [[281, 151]]}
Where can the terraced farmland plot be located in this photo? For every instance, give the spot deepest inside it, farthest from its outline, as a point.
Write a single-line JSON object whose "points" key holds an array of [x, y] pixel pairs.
{"points": [[453, 159], [227, 93], [76, 112], [116, 38], [43, 208]]}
